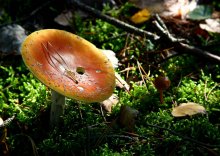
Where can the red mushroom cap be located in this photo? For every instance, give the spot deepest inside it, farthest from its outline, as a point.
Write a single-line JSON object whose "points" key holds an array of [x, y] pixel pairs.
{"points": [[69, 65]]}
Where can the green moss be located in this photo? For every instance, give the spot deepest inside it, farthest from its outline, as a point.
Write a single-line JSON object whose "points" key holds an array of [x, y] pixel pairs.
{"points": [[86, 128]]}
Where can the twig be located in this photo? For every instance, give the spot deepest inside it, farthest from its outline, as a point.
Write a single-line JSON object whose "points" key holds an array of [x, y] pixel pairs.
{"points": [[127, 69], [161, 22], [115, 22], [211, 90], [142, 76], [182, 47], [165, 32], [102, 113], [205, 87], [185, 48]]}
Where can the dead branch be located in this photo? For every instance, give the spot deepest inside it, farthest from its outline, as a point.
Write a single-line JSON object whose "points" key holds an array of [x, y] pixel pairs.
{"points": [[125, 26], [181, 47], [185, 48]]}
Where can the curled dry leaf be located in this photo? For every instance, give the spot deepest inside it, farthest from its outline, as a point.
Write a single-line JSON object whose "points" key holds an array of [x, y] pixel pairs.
{"points": [[110, 102], [127, 117], [188, 109]]}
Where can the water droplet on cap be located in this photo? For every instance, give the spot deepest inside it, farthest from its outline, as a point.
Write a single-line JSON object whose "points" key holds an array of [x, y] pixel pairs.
{"points": [[98, 71], [81, 89]]}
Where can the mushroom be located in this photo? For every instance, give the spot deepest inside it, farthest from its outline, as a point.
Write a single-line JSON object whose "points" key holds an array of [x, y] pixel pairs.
{"points": [[69, 65], [161, 83]]}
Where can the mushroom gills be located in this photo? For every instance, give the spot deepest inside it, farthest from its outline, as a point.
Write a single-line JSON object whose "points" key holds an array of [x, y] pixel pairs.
{"points": [[47, 49]]}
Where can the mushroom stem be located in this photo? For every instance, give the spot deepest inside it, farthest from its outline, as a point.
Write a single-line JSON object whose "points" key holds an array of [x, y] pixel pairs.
{"points": [[57, 108], [161, 96]]}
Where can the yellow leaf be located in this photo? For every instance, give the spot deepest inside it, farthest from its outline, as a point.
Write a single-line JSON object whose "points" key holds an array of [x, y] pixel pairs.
{"points": [[140, 16], [189, 108]]}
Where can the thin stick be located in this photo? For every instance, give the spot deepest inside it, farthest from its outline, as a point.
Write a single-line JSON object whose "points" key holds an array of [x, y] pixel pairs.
{"points": [[141, 74], [117, 77], [127, 73], [205, 95], [212, 90], [181, 47], [103, 116], [111, 20]]}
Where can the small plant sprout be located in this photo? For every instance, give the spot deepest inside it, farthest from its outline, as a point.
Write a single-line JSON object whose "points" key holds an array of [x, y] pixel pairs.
{"points": [[161, 83], [69, 65]]}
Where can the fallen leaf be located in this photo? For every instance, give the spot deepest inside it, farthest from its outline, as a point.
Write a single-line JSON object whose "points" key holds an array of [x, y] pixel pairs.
{"points": [[109, 103], [212, 25], [174, 8], [180, 8], [201, 12], [127, 117], [188, 109], [64, 18], [141, 16]]}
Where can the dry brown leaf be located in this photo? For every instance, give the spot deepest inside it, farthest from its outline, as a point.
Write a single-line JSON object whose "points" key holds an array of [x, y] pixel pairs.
{"points": [[188, 109]]}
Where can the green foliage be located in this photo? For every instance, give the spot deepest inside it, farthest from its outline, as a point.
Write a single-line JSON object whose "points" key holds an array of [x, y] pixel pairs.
{"points": [[204, 91], [4, 17], [21, 94], [87, 129], [102, 34]]}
